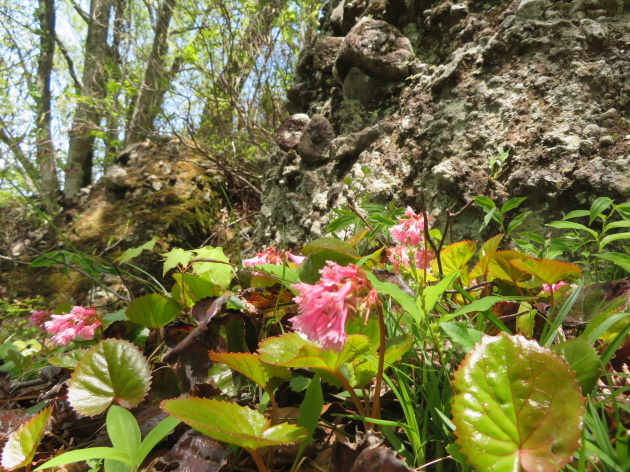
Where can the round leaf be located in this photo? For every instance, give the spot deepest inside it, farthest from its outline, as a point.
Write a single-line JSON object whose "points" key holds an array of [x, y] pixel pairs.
{"points": [[112, 371], [517, 406], [153, 310], [548, 271], [232, 423], [22, 444]]}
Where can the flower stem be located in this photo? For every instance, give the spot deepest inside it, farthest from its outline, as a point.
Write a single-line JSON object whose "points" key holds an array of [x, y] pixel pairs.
{"points": [[376, 403], [258, 459], [353, 395]]}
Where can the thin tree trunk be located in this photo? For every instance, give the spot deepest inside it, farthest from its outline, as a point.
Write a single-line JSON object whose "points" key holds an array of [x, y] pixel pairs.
{"points": [[88, 114], [154, 82], [45, 149]]}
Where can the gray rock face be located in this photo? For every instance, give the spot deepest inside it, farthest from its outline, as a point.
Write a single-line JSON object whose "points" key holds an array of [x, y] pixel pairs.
{"points": [[326, 50], [290, 131], [315, 140], [378, 49], [116, 178], [550, 81]]}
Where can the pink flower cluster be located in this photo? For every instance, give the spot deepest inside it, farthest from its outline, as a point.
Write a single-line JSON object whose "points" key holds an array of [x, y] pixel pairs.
{"points": [[342, 292], [272, 256], [39, 318], [410, 233], [79, 323], [554, 287]]}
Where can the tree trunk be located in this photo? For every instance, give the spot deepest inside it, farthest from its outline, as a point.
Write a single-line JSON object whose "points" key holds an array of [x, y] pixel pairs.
{"points": [[155, 79], [88, 114], [45, 149]]}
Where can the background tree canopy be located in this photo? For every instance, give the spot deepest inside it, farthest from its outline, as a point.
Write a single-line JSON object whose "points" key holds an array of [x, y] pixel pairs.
{"points": [[81, 80]]}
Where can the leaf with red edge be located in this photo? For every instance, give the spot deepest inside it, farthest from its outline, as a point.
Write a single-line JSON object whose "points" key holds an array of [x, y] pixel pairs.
{"points": [[547, 270], [486, 253], [268, 298], [22, 444], [455, 256], [232, 423], [517, 406], [112, 371], [268, 376], [501, 268]]}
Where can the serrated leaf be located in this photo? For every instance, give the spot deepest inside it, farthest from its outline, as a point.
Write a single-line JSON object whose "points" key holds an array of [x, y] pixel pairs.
{"points": [[112, 371], [486, 253], [216, 272], [191, 288], [176, 257], [290, 350], [67, 360], [501, 268], [135, 251], [124, 432], [462, 334], [455, 256], [22, 444], [232, 423], [153, 310], [583, 360], [268, 376], [547, 270], [517, 406]]}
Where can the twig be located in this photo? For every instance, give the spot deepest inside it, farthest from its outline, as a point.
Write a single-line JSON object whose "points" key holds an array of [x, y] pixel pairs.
{"points": [[94, 279], [228, 225], [472, 288], [201, 328]]}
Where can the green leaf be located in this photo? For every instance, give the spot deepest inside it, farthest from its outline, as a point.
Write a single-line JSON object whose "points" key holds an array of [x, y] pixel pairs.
{"points": [[576, 214], [455, 256], [135, 251], [404, 299], [583, 360], [124, 432], [191, 288], [216, 272], [68, 360], [285, 274], [482, 304], [617, 224], [22, 445], [598, 207], [485, 203], [486, 253], [153, 310], [163, 429], [572, 225], [622, 260], [431, 294], [232, 423], [176, 257], [311, 410], [268, 376], [322, 250], [290, 350], [517, 406], [517, 221], [462, 334], [614, 237], [111, 371], [331, 244], [501, 268], [86, 455], [547, 270], [511, 204]]}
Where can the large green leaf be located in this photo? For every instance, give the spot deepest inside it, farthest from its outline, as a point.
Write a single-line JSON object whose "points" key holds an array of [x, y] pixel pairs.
{"points": [[290, 350], [216, 272], [112, 371], [232, 423], [176, 257], [486, 254], [322, 250], [501, 268], [547, 270], [22, 444], [153, 310], [268, 376], [517, 406], [331, 244], [455, 256], [191, 288]]}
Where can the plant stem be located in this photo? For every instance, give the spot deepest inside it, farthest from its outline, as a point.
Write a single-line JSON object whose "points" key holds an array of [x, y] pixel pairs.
{"points": [[376, 404], [353, 395], [258, 459]]}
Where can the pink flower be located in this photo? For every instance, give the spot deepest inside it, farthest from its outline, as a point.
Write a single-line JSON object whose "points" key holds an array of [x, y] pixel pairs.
{"points": [[410, 231], [79, 323], [341, 292], [399, 256], [272, 256], [38, 318], [423, 258], [554, 287]]}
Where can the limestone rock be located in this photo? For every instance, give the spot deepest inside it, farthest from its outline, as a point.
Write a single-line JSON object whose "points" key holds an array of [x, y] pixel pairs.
{"points": [[290, 131], [315, 141], [362, 87], [349, 147], [378, 49], [345, 15], [116, 178]]}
